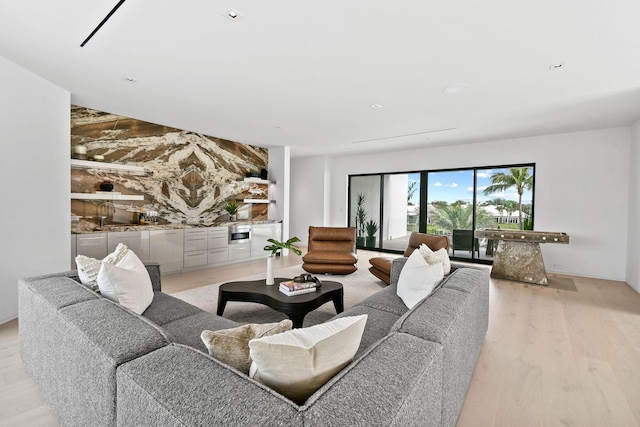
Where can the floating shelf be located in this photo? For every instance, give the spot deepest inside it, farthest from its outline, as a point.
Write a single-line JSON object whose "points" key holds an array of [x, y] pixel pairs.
{"points": [[114, 167], [258, 201], [259, 181], [105, 196]]}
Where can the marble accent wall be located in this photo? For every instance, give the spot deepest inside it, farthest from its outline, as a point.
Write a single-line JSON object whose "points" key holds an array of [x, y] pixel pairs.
{"points": [[188, 176]]}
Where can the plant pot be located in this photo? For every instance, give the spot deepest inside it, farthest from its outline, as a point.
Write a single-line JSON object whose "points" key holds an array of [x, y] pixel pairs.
{"points": [[371, 242], [360, 241], [269, 280], [232, 217]]}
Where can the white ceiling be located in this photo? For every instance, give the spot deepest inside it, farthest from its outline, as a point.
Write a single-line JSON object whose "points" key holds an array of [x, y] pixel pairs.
{"points": [[306, 73]]}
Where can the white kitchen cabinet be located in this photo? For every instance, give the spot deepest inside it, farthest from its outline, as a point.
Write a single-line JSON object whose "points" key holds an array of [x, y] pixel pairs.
{"points": [[195, 258], [137, 241], [259, 235], [218, 237], [166, 247], [217, 255], [93, 245], [239, 251], [195, 247], [195, 239], [218, 245]]}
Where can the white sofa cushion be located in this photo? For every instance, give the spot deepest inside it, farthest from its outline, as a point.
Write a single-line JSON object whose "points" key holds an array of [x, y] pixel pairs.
{"points": [[127, 283], [441, 256], [298, 362], [418, 279], [88, 268]]}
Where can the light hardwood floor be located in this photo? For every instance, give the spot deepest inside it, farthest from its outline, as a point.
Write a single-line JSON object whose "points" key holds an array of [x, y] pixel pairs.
{"points": [[551, 357]]}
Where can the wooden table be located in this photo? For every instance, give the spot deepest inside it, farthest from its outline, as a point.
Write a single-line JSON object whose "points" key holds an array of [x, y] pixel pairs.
{"points": [[296, 307]]}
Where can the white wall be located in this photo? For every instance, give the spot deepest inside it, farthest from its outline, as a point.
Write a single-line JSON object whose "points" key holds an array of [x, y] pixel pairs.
{"points": [[633, 245], [308, 195], [395, 206], [280, 172], [582, 188], [35, 180]]}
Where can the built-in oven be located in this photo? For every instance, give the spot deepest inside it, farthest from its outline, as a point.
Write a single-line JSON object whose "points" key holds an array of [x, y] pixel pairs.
{"points": [[239, 234]]}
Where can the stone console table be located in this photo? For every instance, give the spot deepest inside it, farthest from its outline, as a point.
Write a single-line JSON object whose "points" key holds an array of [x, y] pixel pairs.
{"points": [[518, 256]]}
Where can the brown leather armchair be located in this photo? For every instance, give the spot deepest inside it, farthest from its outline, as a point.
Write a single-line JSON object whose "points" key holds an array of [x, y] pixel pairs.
{"points": [[331, 250], [381, 266]]}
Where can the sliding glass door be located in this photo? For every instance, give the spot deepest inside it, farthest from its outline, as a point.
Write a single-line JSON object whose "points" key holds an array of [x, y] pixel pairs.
{"points": [[450, 201], [387, 208]]}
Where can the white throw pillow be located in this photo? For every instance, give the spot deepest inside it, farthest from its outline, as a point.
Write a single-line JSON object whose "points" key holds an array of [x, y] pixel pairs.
{"points": [[127, 283], [417, 279], [298, 362], [439, 256], [88, 268]]}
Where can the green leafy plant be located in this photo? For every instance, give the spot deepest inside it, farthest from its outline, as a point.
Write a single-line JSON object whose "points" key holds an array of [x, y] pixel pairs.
{"points": [[231, 207], [371, 227], [361, 213], [518, 178], [276, 246]]}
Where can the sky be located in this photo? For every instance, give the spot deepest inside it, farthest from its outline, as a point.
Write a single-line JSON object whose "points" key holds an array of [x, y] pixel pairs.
{"points": [[452, 186]]}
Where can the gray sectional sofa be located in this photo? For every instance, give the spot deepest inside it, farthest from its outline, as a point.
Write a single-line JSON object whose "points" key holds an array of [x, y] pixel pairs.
{"points": [[99, 364]]}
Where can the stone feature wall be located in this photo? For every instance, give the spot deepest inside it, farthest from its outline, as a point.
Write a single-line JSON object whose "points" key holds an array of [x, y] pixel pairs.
{"points": [[188, 176]]}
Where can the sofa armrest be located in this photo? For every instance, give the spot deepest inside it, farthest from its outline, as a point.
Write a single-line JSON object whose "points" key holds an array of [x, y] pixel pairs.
{"points": [[396, 268], [154, 273]]}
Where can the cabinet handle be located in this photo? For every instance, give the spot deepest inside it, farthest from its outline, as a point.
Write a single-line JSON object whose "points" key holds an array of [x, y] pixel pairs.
{"points": [[194, 254], [192, 240], [91, 238]]}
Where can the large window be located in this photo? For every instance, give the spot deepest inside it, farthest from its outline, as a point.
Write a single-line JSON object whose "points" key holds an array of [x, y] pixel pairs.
{"points": [[386, 208]]}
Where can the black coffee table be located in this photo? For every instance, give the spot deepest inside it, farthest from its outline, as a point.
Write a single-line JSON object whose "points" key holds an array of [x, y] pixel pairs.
{"points": [[296, 307]]}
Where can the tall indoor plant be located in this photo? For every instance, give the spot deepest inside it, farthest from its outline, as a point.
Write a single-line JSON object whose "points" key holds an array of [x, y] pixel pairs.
{"points": [[361, 218], [276, 247]]}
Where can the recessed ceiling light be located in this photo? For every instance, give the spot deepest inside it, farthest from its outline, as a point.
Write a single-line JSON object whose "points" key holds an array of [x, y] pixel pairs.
{"points": [[452, 90], [557, 66], [376, 106], [232, 15], [130, 79]]}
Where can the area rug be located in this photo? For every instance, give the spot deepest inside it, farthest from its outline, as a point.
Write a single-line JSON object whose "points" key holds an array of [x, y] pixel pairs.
{"points": [[357, 286]]}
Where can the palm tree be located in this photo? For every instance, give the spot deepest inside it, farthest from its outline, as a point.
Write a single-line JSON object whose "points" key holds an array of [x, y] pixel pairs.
{"points": [[460, 216], [520, 178], [411, 191], [510, 207]]}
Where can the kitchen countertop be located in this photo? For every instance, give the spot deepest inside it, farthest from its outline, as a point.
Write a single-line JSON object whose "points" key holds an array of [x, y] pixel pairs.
{"points": [[88, 227]]}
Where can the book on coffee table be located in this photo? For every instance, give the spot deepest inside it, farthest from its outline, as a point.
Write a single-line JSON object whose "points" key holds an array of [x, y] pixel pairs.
{"points": [[290, 285], [296, 292]]}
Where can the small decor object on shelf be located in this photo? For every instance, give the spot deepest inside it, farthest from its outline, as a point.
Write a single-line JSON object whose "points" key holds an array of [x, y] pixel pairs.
{"points": [[80, 152], [264, 174], [106, 186], [274, 248], [232, 209]]}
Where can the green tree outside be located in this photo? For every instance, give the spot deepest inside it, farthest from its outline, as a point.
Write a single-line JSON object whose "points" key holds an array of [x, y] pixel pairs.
{"points": [[518, 178]]}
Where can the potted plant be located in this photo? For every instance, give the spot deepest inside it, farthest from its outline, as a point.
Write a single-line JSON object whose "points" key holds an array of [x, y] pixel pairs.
{"points": [[231, 206], [372, 228], [274, 248], [361, 217]]}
